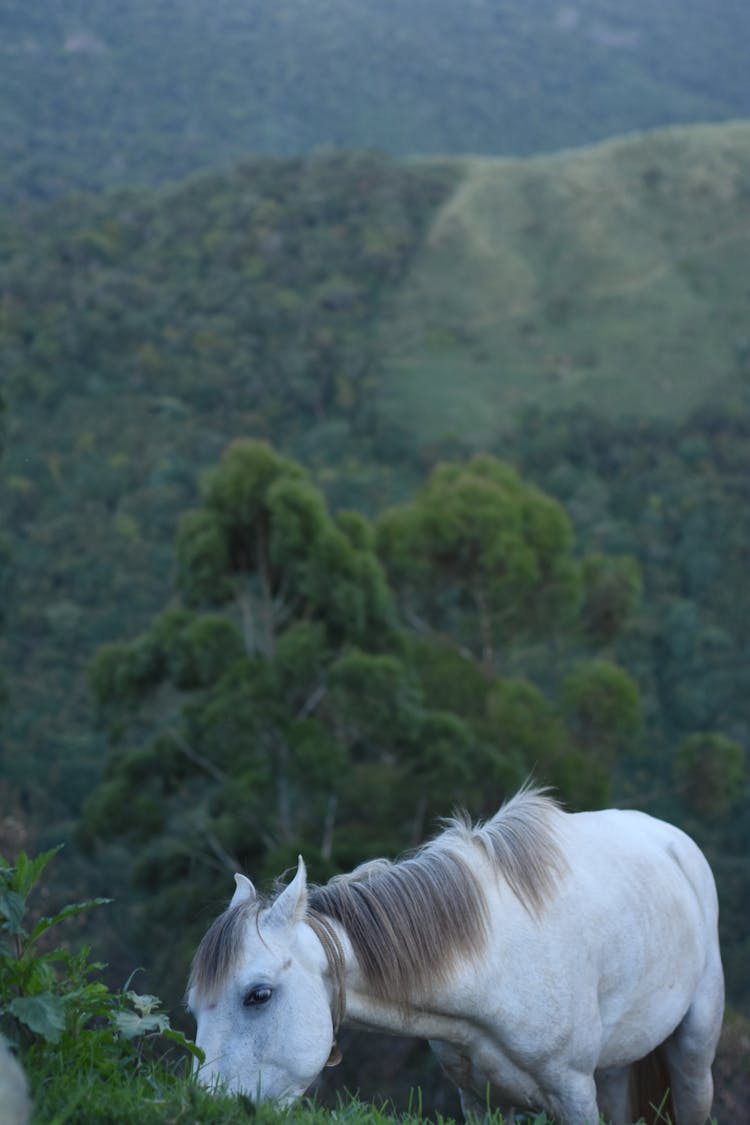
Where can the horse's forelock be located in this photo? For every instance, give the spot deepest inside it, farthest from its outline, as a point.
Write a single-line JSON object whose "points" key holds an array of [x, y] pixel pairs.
{"points": [[219, 950]]}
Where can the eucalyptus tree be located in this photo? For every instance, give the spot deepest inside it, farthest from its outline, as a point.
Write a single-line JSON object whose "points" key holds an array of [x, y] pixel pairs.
{"points": [[273, 704], [483, 556], [286, 699], [485, 562], [230, 684]]}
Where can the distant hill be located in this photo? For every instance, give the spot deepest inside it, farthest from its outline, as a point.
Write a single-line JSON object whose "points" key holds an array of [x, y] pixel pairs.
{"points": [[365, 315], [96, 93], [613, 277], [369, 316]]}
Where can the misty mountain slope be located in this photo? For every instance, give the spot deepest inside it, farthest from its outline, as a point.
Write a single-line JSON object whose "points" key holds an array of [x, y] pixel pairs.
{"points": [[94, 93], [353, 310], [614, 276]]}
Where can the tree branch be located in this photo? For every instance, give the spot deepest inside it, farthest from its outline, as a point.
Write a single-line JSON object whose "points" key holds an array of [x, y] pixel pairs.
{"points": [[197, 759]]}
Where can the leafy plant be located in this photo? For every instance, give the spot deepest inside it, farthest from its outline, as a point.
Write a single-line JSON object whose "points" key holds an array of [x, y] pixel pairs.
{"points": [[51, 995], [41, 990]]}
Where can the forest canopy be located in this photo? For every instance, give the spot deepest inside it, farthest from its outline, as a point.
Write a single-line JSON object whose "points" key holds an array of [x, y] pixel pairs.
{"points": [[292, 681], [559, 588]]}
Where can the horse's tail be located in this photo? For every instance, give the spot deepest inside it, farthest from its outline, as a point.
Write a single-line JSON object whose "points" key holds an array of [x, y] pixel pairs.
{"points": [[650, 1093]]}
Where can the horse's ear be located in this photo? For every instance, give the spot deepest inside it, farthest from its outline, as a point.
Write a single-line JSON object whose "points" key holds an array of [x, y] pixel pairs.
{"points": [[244, 890], [291, 904]]}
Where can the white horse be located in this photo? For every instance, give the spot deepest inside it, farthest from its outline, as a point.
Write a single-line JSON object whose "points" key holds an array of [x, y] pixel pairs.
{"points": [[551, 959]]}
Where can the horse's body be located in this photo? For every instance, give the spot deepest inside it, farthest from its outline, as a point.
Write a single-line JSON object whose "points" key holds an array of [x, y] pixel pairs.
{"points": [[543, 955]]}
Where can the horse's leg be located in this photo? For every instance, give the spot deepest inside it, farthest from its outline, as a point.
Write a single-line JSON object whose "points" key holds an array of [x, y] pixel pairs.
{"points": [[456, 1066], [690, 1050], [613, 1094], [573, 1101], [476, 1110], [472, 1107]]}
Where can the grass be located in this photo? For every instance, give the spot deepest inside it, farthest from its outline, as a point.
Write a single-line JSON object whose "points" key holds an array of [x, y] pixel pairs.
{"points": [[613, 276], [87, 1101]]}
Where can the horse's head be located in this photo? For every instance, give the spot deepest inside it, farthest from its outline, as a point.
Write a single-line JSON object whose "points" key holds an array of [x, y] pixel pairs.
{"points": [[259, 995]]}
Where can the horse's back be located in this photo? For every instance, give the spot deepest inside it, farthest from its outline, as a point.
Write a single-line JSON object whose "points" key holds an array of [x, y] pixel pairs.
{"points": [[635, 857], [646, 894], [614, 959]]}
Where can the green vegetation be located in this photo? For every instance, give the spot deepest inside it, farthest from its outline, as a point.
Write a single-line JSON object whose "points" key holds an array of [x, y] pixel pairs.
{"points": [[281, 692], [673, 496], [289, 533], [611, 276], [63, 1019], [94, 94], [139, 334]]}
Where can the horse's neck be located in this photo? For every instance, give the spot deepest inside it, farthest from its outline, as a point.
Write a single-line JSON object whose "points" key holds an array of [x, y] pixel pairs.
{"points": [[368, 1012], [365, 1013]]}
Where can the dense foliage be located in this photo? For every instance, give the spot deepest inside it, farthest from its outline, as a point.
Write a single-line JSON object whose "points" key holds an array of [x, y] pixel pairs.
{"points": [[282, 704], [95, 94], [360, 614], [675, 497], [138, 334], [84, 1045]]}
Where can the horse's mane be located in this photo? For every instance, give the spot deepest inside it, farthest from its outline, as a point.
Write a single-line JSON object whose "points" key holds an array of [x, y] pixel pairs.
{"points": [[408, 921]]}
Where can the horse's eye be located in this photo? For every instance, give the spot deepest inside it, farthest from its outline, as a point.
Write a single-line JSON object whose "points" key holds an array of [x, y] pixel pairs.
{"points": [[257, 996]]}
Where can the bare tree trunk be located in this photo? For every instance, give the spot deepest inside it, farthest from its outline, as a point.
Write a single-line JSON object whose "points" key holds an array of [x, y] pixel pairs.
{"points": [[326, 847], [283, 793], [485, 627], [417, 832], [267, 609]]}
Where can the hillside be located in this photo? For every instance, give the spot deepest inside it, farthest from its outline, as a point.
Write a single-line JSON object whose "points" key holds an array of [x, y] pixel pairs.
{"points": [[361, 314], [368, 317], [141, 332], [95, 94], [613, 277]]}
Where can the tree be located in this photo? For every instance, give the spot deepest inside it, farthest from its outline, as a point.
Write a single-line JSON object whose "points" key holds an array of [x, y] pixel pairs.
{"points": [[532, 733], [264, 542], [614, 587], [602, 706], [709, 772], [279, 704], [271, 707], [483, 556]]}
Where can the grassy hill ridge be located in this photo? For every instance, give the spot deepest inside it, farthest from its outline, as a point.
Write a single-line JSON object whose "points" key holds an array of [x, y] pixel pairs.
{"points": [[613, 276]]}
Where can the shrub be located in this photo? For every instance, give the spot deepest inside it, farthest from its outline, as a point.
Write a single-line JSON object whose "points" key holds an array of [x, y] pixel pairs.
{"points": [[71, 1031]]}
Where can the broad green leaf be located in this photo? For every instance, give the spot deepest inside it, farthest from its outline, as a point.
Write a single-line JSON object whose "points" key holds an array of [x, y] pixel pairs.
{"points": [[130, 1024], [27, 871], [44, 1014], [12, 908], [183, 1041], [144, 1004], [67, 912]]}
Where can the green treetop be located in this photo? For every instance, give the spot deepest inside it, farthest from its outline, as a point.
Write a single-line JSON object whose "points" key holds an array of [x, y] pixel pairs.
{"points": [[281, 703]]}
